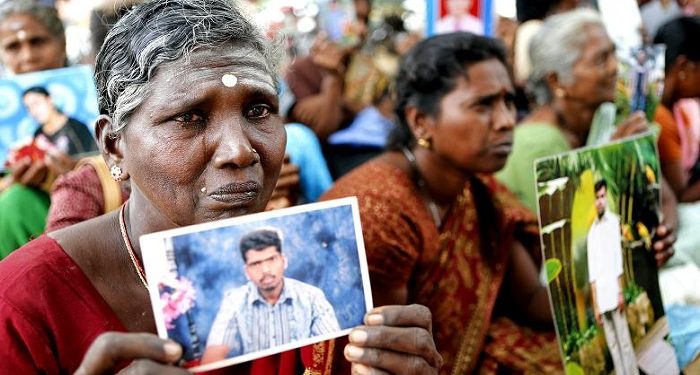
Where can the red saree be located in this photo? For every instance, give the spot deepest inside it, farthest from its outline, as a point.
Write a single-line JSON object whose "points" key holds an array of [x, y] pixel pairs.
{"points": [[446, 271], [50, 313]]}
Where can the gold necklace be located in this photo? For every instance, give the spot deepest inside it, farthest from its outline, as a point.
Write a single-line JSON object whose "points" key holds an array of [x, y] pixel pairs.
{"points": [[130, 249], [432, 206]]}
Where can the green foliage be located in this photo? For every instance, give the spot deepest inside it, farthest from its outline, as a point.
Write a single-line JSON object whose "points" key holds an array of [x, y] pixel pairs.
{"points": [[631, 292], [577, 339], [553, 268], [573, 368]]}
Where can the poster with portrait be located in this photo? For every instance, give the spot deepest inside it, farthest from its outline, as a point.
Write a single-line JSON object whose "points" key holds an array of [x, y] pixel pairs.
{"points": [[238, 289], [446, 16], [640, 80], [598, 210], [71, 90]]}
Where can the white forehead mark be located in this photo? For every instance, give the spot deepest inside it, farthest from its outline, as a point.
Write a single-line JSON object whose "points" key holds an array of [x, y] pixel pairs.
{"points": [[229, 80], [21, 35]]}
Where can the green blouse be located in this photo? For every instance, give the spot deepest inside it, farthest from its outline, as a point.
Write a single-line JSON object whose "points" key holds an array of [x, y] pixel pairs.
{"points": [[531, 141]]}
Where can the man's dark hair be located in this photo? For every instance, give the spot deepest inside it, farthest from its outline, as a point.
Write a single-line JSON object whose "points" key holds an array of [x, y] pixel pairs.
{"points": [[599, 185], [36, 90], [260, 239]]}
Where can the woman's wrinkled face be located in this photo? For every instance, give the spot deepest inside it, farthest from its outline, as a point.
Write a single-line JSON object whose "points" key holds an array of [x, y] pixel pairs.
{"points": [[28, 46], [474, 129], [595, 72], [207, 142]]}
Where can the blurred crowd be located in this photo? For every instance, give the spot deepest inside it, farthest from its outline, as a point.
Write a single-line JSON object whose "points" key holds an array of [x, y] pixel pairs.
{"points": [[436, 136]]}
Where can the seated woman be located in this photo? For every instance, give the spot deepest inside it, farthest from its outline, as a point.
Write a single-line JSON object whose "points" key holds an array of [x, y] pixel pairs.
{"points": [[574, 72], [31, 39], [174, 126], [438, 229], [679, 118]]}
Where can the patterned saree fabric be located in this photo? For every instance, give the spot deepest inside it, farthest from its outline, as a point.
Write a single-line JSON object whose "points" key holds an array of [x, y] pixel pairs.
{"points": [[446, 270]]}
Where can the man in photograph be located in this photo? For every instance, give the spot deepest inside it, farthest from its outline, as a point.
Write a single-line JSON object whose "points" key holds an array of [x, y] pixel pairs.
{"points": [[605, 274], [69, 135], [270, 309]]}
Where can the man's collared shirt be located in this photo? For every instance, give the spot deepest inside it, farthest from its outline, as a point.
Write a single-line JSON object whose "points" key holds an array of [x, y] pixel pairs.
{"points": [[247, 323], [605, 260]]}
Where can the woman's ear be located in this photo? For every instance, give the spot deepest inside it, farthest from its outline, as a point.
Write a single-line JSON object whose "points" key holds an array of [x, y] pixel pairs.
{"points": [[420, 123], [110, 143], [554, 85]]}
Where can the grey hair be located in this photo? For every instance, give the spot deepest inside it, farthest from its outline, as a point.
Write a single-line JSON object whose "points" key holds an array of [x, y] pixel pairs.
{"points": [[161, 31], [46, 15], [556, 47]]}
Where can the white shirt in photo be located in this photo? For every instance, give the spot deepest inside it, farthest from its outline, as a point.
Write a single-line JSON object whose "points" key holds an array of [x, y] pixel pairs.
{"points": [[605, 260]]}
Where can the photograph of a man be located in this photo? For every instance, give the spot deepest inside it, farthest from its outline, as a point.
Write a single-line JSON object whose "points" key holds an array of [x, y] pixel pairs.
{"points": [[270, 309], [69, 135], [605, 274]]}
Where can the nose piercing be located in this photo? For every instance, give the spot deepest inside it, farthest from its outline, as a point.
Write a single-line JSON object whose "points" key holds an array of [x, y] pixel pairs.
{"points": [[203, 189], [229, 80], [254, 150]]}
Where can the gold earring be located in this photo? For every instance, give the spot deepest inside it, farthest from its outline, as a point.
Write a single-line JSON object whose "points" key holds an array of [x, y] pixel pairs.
{"points": [[681, 74], [559, 92], [424, 142], [116, 173]]}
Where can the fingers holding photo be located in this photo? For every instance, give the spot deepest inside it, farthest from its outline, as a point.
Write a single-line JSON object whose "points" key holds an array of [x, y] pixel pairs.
{"points": [[395, 339]]}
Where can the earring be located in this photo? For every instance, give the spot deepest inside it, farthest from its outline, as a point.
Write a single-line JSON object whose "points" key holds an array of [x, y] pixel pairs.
{"points": [[425, 143], [559, 92], [681, 74], [116, 173]]}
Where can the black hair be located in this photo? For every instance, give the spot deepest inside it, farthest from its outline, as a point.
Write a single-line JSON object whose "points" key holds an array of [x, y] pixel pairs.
{"points": [[260, 239], [527, 10], [36, 90], [681, 36], [429, 71], [599, 185]]}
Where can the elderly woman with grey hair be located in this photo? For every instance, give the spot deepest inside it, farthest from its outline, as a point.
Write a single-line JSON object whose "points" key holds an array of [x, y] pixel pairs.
{"points": [[188, 102], [574, 72]]}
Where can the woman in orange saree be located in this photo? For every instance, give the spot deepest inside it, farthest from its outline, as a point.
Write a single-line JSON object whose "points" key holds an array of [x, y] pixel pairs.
{"points": [[439, 230]]}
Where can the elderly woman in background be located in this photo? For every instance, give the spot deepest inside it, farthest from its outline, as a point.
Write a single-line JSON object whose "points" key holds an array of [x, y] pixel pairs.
{"points": [[31, 39], [574, 72], [188, 99], [438, 229]]}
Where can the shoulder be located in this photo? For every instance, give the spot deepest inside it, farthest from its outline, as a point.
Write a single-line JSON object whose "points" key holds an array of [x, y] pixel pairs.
{"points": [[34, 265], [76, 124], [301, 287], [388, 183], [238, 295], [306, 292], [541, 135]]}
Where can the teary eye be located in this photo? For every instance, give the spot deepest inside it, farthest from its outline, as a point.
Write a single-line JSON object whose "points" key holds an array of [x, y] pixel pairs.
{"points": [[259, 111], [189, 117]]}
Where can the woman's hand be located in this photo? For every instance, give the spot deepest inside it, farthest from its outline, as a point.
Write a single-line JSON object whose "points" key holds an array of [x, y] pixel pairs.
{"points": [[149, 355], [36, 173], [29, 173], [663, 244], [635, 124], [394, 340]]}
